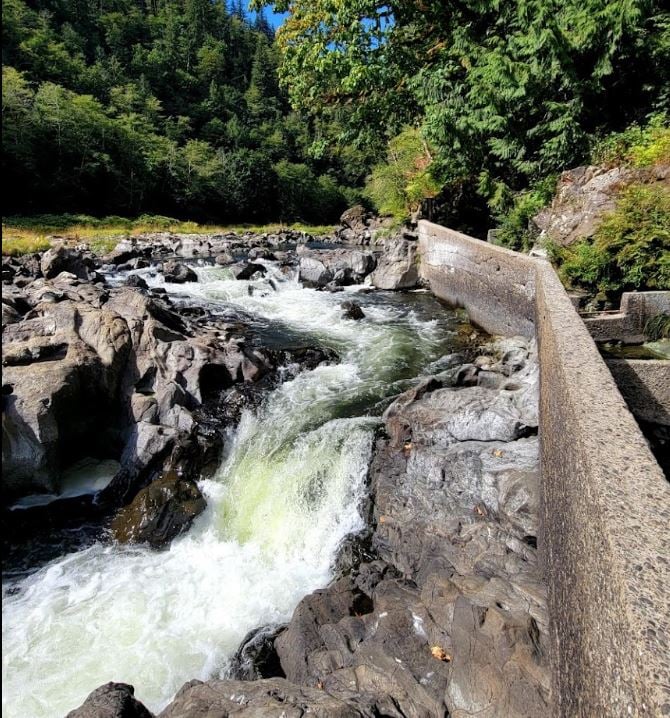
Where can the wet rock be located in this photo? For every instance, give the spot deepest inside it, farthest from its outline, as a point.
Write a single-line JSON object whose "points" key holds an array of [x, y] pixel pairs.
{"points": [[446, 611], [246, 270], [178, 273], [397, 268], [257, 657], [113, 700], [134, 280], [159, 512], [352, 310], [224, 258]]}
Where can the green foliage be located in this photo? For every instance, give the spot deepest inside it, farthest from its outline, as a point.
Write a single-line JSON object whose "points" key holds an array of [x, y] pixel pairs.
{"points": [[630, 249], [170, 108], [515, 229], [516, 89], [636, 146], [398, 186]]}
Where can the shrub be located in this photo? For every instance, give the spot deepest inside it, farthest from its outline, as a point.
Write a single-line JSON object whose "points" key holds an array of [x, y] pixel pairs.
{"points": [[636, 146], [398, 186], [658, 327], [515, 229]]}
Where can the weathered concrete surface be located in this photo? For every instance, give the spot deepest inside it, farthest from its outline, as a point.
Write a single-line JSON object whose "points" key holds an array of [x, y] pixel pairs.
{"points": [[628, 324], [495, 285], [645, 385], [606, 502]]}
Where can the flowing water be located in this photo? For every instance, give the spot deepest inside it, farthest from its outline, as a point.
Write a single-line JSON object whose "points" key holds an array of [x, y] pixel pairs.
{"points": [[286, 494]]}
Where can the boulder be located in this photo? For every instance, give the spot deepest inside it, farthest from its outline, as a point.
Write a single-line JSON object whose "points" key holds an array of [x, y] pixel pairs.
{"points": [[159, 512], [355, 218], [64, 365], [224, 258], [246, 270], [352, 310], [257, 657], [397, 268], [134, 280], [313, 272], [261, 253], [60, 259], [113, 700], [178, 273]]}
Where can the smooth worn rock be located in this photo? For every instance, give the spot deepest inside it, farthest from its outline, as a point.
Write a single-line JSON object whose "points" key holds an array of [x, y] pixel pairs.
{"points": [[159, 512], [113, 700]]}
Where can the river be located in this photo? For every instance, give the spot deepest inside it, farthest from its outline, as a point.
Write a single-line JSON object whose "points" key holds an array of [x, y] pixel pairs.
{"points": [[287, 492]]}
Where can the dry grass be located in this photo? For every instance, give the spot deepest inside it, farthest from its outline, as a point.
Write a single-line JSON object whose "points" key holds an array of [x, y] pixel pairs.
{"points": [[24, 235]]}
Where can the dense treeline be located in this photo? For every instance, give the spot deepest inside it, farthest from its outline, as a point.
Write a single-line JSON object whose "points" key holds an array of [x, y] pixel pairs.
{"points": [[164, 106], [505, 93]]}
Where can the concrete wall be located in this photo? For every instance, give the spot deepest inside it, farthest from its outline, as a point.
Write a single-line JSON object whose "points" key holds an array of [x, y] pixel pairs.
{"points": [[606, 503], [645, 385], [627, 325], [495, 285]]}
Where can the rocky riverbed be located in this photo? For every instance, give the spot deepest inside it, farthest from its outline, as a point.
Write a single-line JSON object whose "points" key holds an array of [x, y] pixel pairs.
{"points": [[226, 392]]}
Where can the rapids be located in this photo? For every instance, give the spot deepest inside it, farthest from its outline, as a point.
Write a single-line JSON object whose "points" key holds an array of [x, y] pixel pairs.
{"points": [[286, 494]]}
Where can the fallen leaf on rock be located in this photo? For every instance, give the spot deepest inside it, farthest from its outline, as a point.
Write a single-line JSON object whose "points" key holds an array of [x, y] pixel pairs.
{"points": [[439, 653], [382, 519], [498, 452]]}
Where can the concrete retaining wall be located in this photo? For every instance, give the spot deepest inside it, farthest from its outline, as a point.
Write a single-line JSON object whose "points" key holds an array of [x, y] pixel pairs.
{"points": [[627, 325], [606, 503], [645, 385]]}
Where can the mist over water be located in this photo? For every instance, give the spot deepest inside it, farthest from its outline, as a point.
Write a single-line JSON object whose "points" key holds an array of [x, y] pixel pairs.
{"points": [[288, 491]]}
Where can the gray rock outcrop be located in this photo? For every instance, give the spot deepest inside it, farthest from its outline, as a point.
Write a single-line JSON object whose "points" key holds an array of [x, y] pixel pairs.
{"points": [[584, 195], [398, 265]]}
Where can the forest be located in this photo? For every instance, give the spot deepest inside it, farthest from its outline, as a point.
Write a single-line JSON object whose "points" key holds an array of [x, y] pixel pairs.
{"points": [[168, 106], [194, 109]]}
